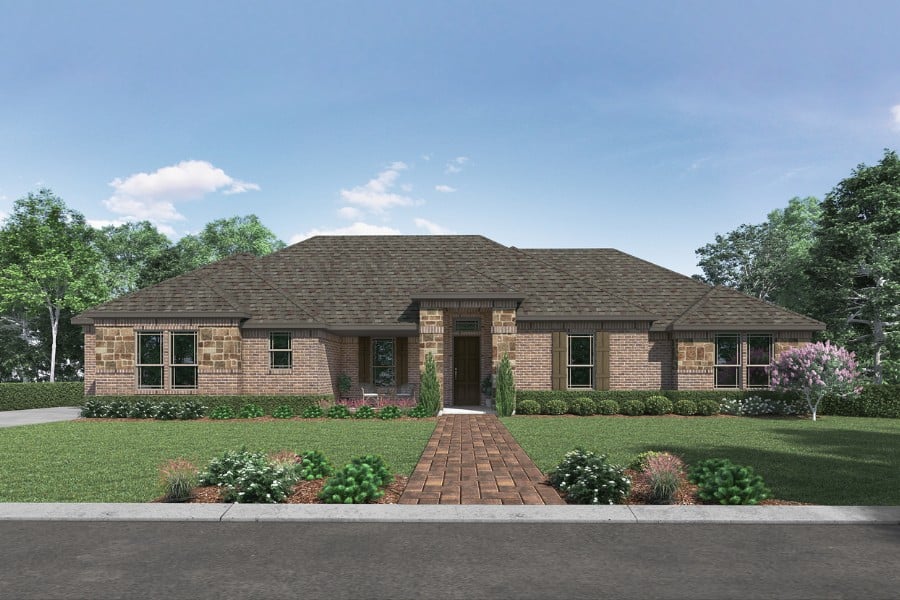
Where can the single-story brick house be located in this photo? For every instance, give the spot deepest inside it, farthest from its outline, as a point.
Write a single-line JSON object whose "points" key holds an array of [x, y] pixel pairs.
{"points": [[372, 307]]}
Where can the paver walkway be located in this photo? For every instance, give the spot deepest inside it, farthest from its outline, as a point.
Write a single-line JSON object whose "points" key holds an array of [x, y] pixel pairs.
{"points": [[473, 459]]}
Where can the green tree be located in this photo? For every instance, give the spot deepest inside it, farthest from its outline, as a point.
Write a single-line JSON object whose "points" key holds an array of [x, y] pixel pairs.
{"points": [[126, 250], [856, 267], [48, 262], [506, 388], [430, 387]]}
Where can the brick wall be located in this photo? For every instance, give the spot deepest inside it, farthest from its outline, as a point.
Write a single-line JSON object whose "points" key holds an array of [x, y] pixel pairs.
{"points": [[640, 361], [534, 361]]}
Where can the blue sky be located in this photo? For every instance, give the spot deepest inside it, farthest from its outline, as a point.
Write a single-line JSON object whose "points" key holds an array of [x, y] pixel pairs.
{"points": [[644, 126]]}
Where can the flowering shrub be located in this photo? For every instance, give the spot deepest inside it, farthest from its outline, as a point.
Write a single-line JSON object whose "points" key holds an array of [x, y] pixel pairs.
{"points": [[178, 477], [754, 406], [815, 370], [665, 472], [246, 477], [721, 481], [587, 478]]}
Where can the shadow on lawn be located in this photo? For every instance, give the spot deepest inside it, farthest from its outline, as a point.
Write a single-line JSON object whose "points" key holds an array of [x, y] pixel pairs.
{"points": [[842, 467]]}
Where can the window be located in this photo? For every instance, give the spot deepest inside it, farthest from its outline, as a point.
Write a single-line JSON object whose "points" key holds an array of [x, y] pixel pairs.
{"points": [[383, 362], [759, 357], [728, 361], [281, 355], [467, 325], [580, 361], [184, 359], [149, 359]]}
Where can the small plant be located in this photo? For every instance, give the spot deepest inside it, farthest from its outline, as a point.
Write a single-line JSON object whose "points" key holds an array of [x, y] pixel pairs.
{"points": [[165, 411], [607, 406], [723, 482], [430, 388], [287, 459], [247, 477], [93, 409], [684, 407], [312, 412], [665, 472], [657, 405], [419, 412], [555, 406], [505, 399], [179, 477], [640, 461], [382, 473], [141, 409], [189, 410], [221, 470], [314, 465], [251, 411], [283, 412], [223, 411], [338, 411], [707, 408], [357, 483], [528, 407], [344, 383], [582, 406], [390, 412], [364, 412], [633, 408], [587, 478]]}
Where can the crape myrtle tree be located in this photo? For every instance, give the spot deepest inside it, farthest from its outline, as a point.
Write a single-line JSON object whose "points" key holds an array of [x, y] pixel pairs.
{"points": [[815, 370], [855, 266], [48, 263]]}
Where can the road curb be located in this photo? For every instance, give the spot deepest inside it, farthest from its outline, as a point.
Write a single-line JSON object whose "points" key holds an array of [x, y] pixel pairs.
{"points": [[394, 513]]}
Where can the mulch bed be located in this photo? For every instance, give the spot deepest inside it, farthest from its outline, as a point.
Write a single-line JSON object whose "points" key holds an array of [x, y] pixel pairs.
{"points": [[305, 492], [686, 494]]}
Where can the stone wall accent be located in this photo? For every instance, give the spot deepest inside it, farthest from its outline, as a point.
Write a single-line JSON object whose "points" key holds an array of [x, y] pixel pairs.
{"points": [[503, 337], [431, 340], [485, 347], [219, 349], [114, 349]]}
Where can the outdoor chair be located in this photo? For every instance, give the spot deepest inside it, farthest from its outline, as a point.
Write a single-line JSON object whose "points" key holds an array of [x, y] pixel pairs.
{"points": [[405, 391], [369, 393]]}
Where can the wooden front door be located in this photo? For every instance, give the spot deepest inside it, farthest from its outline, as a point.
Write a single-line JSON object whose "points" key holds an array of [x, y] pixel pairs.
{"points": [[466, 371]]}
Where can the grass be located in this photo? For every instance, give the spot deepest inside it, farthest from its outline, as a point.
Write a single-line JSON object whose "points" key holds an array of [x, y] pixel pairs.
{"points": [[836, 460], [84, 461]]}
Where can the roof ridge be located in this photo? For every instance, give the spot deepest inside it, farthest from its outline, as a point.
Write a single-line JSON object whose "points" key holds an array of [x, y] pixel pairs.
{"points": [[221, 293], [468, 267], [243, 262], [694, 305]]}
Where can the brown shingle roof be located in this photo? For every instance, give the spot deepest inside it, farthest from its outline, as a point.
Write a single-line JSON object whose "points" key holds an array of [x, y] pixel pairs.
{"points": [[375, 281]]}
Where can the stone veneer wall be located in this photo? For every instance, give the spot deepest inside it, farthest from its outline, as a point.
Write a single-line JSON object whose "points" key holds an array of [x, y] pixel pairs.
{"points": [[485, 347], [503, 337], [431, 340]]}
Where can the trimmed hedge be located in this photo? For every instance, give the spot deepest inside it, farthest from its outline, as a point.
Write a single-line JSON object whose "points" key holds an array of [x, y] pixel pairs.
{"points": [[872, 401], [42, 394], [236, 403]]}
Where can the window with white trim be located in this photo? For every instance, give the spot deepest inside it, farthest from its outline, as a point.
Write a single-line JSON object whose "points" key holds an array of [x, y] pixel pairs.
{"points": [[281, 353], [183, 352], [150, 359], [580, 362]]}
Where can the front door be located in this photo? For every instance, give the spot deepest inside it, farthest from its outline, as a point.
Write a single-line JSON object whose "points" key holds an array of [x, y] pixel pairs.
{"points": [[466, 371]]}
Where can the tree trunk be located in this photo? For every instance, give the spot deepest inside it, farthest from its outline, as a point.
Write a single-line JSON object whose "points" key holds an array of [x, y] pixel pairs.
{"points": [[878, 341], [54, 329]]}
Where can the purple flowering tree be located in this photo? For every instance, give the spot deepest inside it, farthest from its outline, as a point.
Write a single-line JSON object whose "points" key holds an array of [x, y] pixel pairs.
{"points": [[815, 370]]}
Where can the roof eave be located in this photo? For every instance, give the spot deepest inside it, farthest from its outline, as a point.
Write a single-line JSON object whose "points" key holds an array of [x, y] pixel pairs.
{"points": [[87, 318], [468, 296], [732, 326], [586, 317]]}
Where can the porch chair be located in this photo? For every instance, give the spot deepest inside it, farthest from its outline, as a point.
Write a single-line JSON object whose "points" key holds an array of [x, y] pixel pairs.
{"points": [[405, 391], [369, 393]]}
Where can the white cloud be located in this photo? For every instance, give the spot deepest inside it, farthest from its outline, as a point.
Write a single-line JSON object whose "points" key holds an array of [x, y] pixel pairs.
{"points": [[376, 196], [432, 228], [895, 111], [445, 189], [426, 157], [455, 165], [152, 196], [350, 213], [358, 228], [406, 187], [101, 223]]}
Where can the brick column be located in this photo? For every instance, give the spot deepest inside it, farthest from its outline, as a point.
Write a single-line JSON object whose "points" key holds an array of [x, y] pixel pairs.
{"points": [[431, 340], [503, 337]]}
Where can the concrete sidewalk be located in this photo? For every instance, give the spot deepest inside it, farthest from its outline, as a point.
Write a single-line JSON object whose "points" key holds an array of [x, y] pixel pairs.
{"points": [[395, 513], [34, 416]]}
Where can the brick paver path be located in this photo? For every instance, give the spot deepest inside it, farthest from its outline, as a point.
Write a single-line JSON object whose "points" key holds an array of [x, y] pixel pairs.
{"points": [[473, 459]]}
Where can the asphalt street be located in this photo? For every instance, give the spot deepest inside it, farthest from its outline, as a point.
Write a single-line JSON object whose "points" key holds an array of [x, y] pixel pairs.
{"points": [[197, 560]]}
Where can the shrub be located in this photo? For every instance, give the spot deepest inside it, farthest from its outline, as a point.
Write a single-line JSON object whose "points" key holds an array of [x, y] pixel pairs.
{"points": [[221, 470], [607, 406], [707, 408], [247, 477], [665, 472], [582, 406], [222, 412], [141, 409], [555, 406], [419, 412], [390, 412], [587, 478], [314, 465], [430, 388], [312, 412], [251, 410], [506, 389], [284, 411], [42, 394], [179, 477], [657, 405], [93, 409], [364, 412], [287, 459], [338, 411], [684, 407], [872, 401], [640, 461], [528, 407], [356, 483], [815, 370], [379, 468], [633, 408], [723, 482], [165, 410], [190, 409]]}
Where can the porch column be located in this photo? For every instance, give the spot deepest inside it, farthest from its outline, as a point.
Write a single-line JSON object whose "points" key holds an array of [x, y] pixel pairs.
{"points": [[431, 341], [503, 337]]}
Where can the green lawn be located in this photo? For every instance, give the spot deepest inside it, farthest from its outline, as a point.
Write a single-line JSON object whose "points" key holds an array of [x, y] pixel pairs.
{"points": [[84, 461], [836, 460]]}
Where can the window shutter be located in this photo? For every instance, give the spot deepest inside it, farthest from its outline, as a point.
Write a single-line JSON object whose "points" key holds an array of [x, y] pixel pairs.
{"points": [[560, 340], [402, 362], [365, 360], [601, 360]]}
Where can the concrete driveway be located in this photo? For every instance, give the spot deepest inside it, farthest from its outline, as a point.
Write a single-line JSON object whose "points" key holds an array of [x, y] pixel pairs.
{"points": [[32, 416]]}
